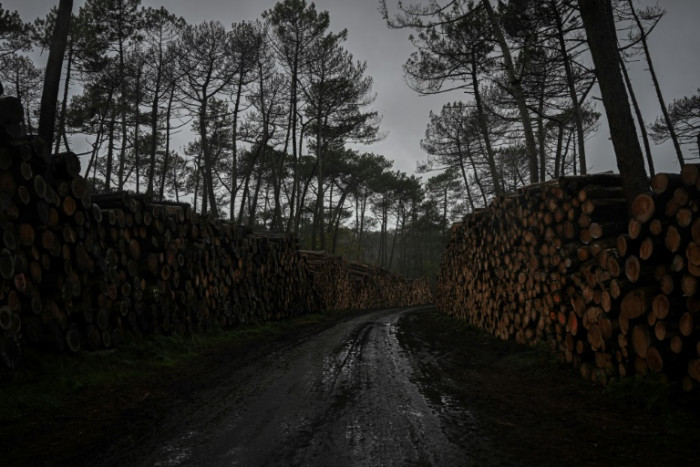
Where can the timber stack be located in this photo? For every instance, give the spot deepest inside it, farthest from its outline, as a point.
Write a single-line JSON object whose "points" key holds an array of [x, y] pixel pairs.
{"points": [[85, 271], [614, 293], [330, 279], [344, 285]]}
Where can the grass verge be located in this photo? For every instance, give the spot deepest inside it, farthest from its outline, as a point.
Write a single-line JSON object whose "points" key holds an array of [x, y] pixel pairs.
{"points": [[57, 409]]}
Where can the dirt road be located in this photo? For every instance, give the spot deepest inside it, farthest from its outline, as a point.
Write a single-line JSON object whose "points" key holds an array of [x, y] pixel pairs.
{"points": [[347, 396], [393, 387]]}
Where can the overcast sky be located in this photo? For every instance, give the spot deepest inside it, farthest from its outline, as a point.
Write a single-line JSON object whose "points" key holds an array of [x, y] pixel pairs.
{"points": [[674, 48]]}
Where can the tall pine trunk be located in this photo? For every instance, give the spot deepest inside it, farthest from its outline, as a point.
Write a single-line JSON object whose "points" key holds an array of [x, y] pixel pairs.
{"points": [[166, 156], [571, 85], [598, 21], [516, 91], [154, 126], [481, 116], [640, 118], [52, 78], [657, 87], [64, 103]]}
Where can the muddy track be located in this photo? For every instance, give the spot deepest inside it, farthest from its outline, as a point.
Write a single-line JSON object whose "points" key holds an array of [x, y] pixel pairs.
{"points": [[391, 387], [347, 396]]}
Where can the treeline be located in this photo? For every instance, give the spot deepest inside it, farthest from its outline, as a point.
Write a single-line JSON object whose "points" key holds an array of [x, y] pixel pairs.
{"points": [[86, 271], [272, 104], [526, 69]]}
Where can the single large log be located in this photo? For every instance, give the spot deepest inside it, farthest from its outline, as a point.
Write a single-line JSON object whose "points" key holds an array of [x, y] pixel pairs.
{"points": [[642, 208]]}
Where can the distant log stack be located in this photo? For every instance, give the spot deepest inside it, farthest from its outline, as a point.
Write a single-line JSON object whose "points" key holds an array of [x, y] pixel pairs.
{"points": [[330, 279], [352, 285], [81, 271], [614, 293]]}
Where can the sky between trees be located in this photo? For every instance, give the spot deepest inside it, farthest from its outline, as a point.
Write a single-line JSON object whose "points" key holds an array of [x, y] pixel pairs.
{"points": [[405, 114]]}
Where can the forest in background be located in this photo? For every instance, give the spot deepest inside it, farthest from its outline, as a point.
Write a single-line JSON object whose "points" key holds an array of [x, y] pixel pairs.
{"points": [[274, 105]]}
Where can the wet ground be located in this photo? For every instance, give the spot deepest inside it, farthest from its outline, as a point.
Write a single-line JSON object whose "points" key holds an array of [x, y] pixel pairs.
{"points": [[347, 396], [407, 387]]}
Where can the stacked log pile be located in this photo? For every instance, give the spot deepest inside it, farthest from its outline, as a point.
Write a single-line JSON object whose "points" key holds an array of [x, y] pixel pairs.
{"points": [[81, 271], [381, 289], [564, 262], [330, 279], [346, 285], [85, 275]]}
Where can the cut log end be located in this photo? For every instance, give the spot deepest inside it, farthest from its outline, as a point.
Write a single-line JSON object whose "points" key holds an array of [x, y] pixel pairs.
{"points": [[643, 207]]}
